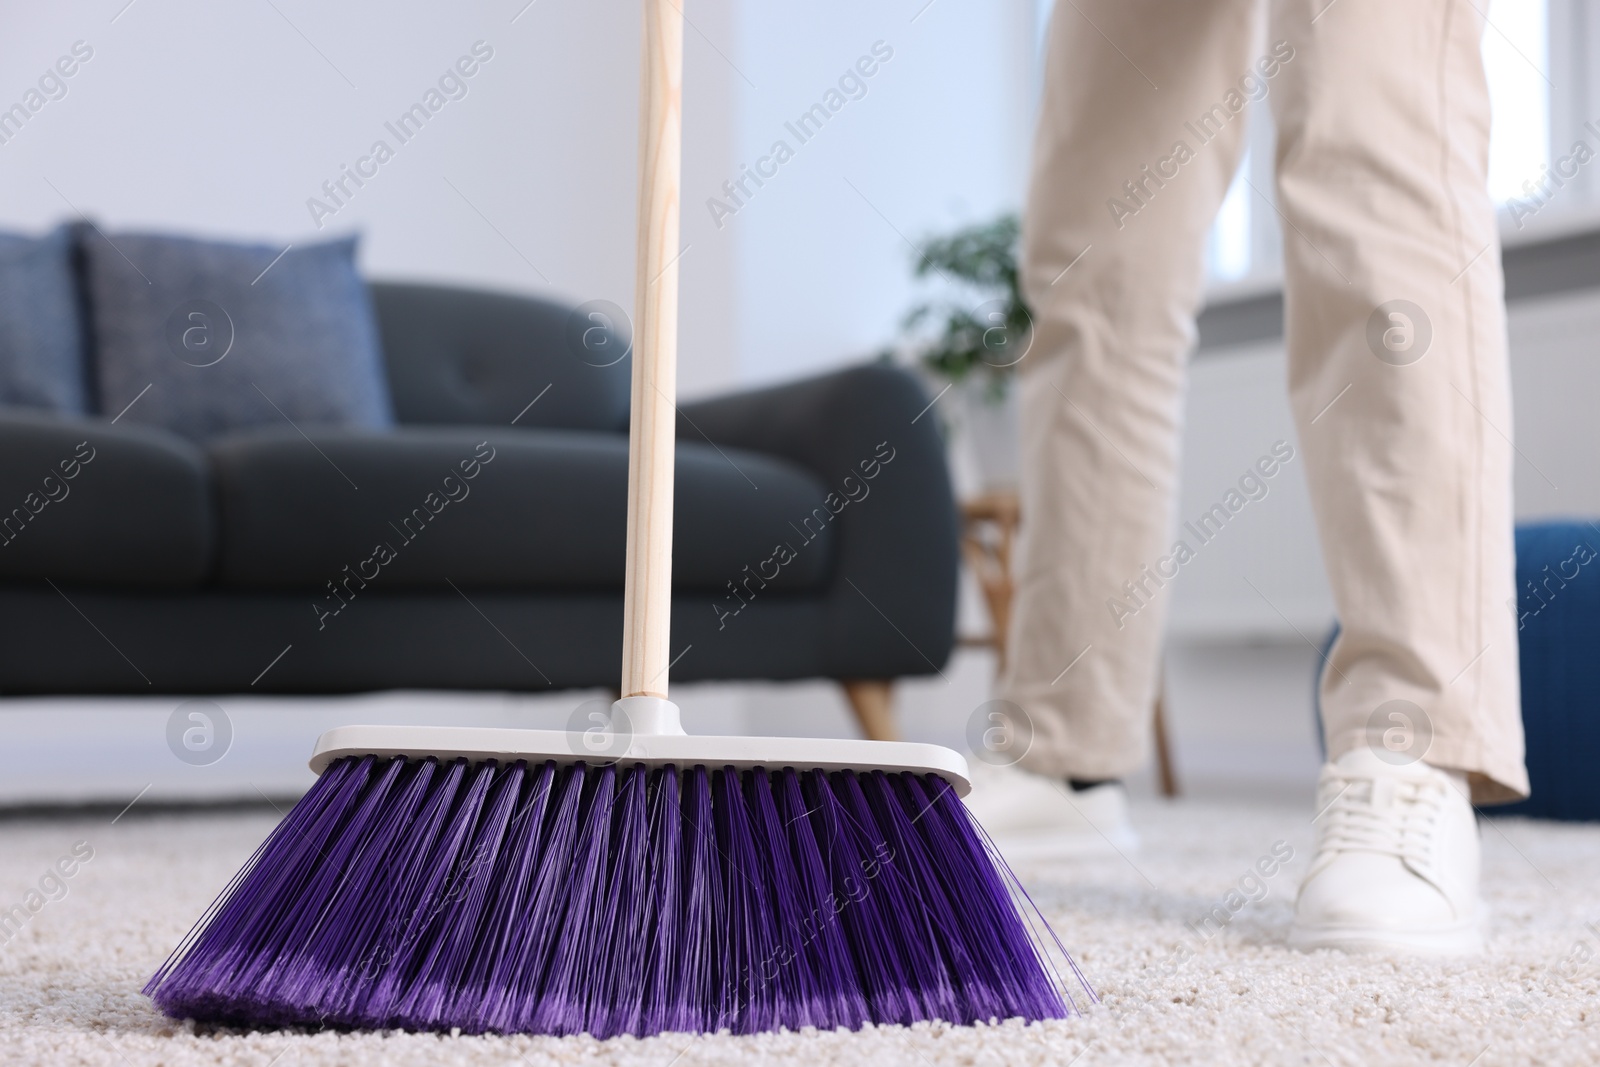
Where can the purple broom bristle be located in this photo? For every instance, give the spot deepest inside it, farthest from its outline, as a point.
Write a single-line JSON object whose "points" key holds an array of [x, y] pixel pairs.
{"points": [[559, 1009], [455, 926], [748, 942], [701, 1003], [662, 921], [483, 996], [615, 900], [818, 934], [616, 992], [792, 968], [549, 898]]}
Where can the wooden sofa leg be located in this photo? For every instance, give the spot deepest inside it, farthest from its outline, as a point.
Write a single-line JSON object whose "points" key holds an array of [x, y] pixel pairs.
{"points": [[873, 703]]}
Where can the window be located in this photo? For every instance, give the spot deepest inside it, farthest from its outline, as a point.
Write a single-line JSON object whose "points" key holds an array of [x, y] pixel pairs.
{"points": [[1516, 60], [1228, 245], [1529, 48]]}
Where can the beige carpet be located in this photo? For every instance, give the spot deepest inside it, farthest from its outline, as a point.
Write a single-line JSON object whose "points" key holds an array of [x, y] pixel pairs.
{"points": [[69, 983]]}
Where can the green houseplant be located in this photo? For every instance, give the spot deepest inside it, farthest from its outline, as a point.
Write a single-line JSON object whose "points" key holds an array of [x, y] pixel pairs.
{"points": [[973, 335], [985, 337]]}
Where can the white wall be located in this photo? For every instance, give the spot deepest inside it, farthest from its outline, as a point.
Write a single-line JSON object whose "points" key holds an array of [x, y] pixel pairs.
{"points": [[1237, 410], [938, 140], [1555, 380], [224, 119]]}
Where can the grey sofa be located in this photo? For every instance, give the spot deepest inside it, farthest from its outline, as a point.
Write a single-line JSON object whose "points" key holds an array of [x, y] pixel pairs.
{"points": [[815, 533]]}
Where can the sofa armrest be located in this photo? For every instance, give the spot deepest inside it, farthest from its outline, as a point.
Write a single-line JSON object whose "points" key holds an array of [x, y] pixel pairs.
{"points": [[864, 431]]}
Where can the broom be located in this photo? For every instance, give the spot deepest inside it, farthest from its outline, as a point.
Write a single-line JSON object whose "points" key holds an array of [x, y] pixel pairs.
{"points": [[499, 880]]}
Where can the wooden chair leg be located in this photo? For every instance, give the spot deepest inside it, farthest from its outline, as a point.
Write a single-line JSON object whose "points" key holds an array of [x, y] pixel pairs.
{"points": [[1164, 770], [873, 703]]}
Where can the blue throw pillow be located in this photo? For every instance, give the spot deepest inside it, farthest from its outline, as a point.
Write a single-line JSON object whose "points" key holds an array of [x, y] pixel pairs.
{"points": [[41, 335], [207, 337]]}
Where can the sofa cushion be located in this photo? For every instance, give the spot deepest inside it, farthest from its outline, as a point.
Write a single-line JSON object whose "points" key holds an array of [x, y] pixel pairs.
{"points": [[41, 333], [203, 337], [468, 357], [86, 502], [500, 508]]}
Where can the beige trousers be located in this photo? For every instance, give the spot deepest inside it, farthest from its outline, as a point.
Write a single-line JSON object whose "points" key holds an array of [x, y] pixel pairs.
{"points": [[1403, 410]]}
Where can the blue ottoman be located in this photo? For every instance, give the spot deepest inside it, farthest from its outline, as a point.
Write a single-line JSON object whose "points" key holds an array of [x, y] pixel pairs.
{"points": [[1558, 607], [1558, 611]]}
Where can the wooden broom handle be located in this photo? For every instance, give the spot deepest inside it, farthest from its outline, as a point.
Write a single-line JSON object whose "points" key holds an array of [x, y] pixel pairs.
{"points": [[647, 604]]}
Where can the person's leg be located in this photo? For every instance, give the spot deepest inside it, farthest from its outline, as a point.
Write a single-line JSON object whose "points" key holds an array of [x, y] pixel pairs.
{"points": [[1399, 378], [1399, 382], [1139, 134]]}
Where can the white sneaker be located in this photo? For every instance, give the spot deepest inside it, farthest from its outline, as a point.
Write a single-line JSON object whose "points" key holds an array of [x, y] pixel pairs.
{"points": [[1031, 816], [1396, 862]]}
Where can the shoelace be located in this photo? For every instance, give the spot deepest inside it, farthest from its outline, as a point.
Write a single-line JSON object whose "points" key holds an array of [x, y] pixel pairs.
{"points": [[1394, 817]]}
